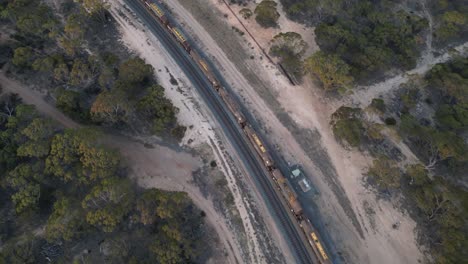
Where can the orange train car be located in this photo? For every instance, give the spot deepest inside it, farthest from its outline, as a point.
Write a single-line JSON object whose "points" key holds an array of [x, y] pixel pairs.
{"points": [[287, 193], [233, 106], [205, 68], [259, 147], [157, 11], [314, 241], [181, 38]]}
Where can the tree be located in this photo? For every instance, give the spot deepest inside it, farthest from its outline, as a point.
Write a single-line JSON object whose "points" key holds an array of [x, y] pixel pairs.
{"points": [[23, 57], [118, 250], [453, 117], [64, 160], [289, 42], [74, 30], [111, 108], [22, 252], [373, 131], [66, 221], [69, 45], [135, 71], [381, 39], [433, 145], [452, 23], [450, 79], [448, 145], [330, 70], [38, 133], [245, 13], [45, 65], [70, 103], [8, 158], [266, 13], [39, 129], [438, 202], [385, 173], [378, 105], [108, 203], [62, 73], [171, 211], [418, 174], [24, 174], [36, 19], [25, 180], [8, 104], [289, 47], [98, 162], [27, 197], [178, 132], [96, 8], [75, 156], [167, 251], [347, 125], [155, 204], [444, 207], [23, 116], [106, 78], [80, 74], [159, 110]]}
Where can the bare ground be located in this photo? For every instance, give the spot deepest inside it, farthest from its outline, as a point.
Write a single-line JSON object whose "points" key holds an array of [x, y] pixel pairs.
{"points": [[296, 119]]}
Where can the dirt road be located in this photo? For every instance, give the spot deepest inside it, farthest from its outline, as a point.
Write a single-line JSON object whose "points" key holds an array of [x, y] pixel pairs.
{"points": [[35, 98]]}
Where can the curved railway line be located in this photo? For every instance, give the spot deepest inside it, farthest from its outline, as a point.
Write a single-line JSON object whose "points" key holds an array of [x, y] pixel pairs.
{"points": [[304, 241]]}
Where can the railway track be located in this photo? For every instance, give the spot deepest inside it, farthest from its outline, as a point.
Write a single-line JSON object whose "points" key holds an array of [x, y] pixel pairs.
{"points": [[233, 132]]}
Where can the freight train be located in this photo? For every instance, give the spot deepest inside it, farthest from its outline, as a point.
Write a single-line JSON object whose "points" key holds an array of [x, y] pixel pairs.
{"points": [[288, 193]]}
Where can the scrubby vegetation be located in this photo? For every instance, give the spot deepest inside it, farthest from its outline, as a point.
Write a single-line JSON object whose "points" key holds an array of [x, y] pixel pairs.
{"points": [[376, 42], [245, 13], [68, 184], [330, 70], [347, 125], [266, 14], [363, 40], [90, 81], [451, 21], [429, 113], [289, 48]]}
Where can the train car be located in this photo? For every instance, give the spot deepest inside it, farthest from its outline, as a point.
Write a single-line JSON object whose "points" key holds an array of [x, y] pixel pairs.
{"points": [[314, 241], [157, 11], [259, 147], [180, 38], [286, 191], [319, 246], [233, 106], [205, 68]]}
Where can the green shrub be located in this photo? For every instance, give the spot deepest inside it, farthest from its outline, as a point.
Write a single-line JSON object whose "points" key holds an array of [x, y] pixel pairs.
{"points": [[266, 13]]}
